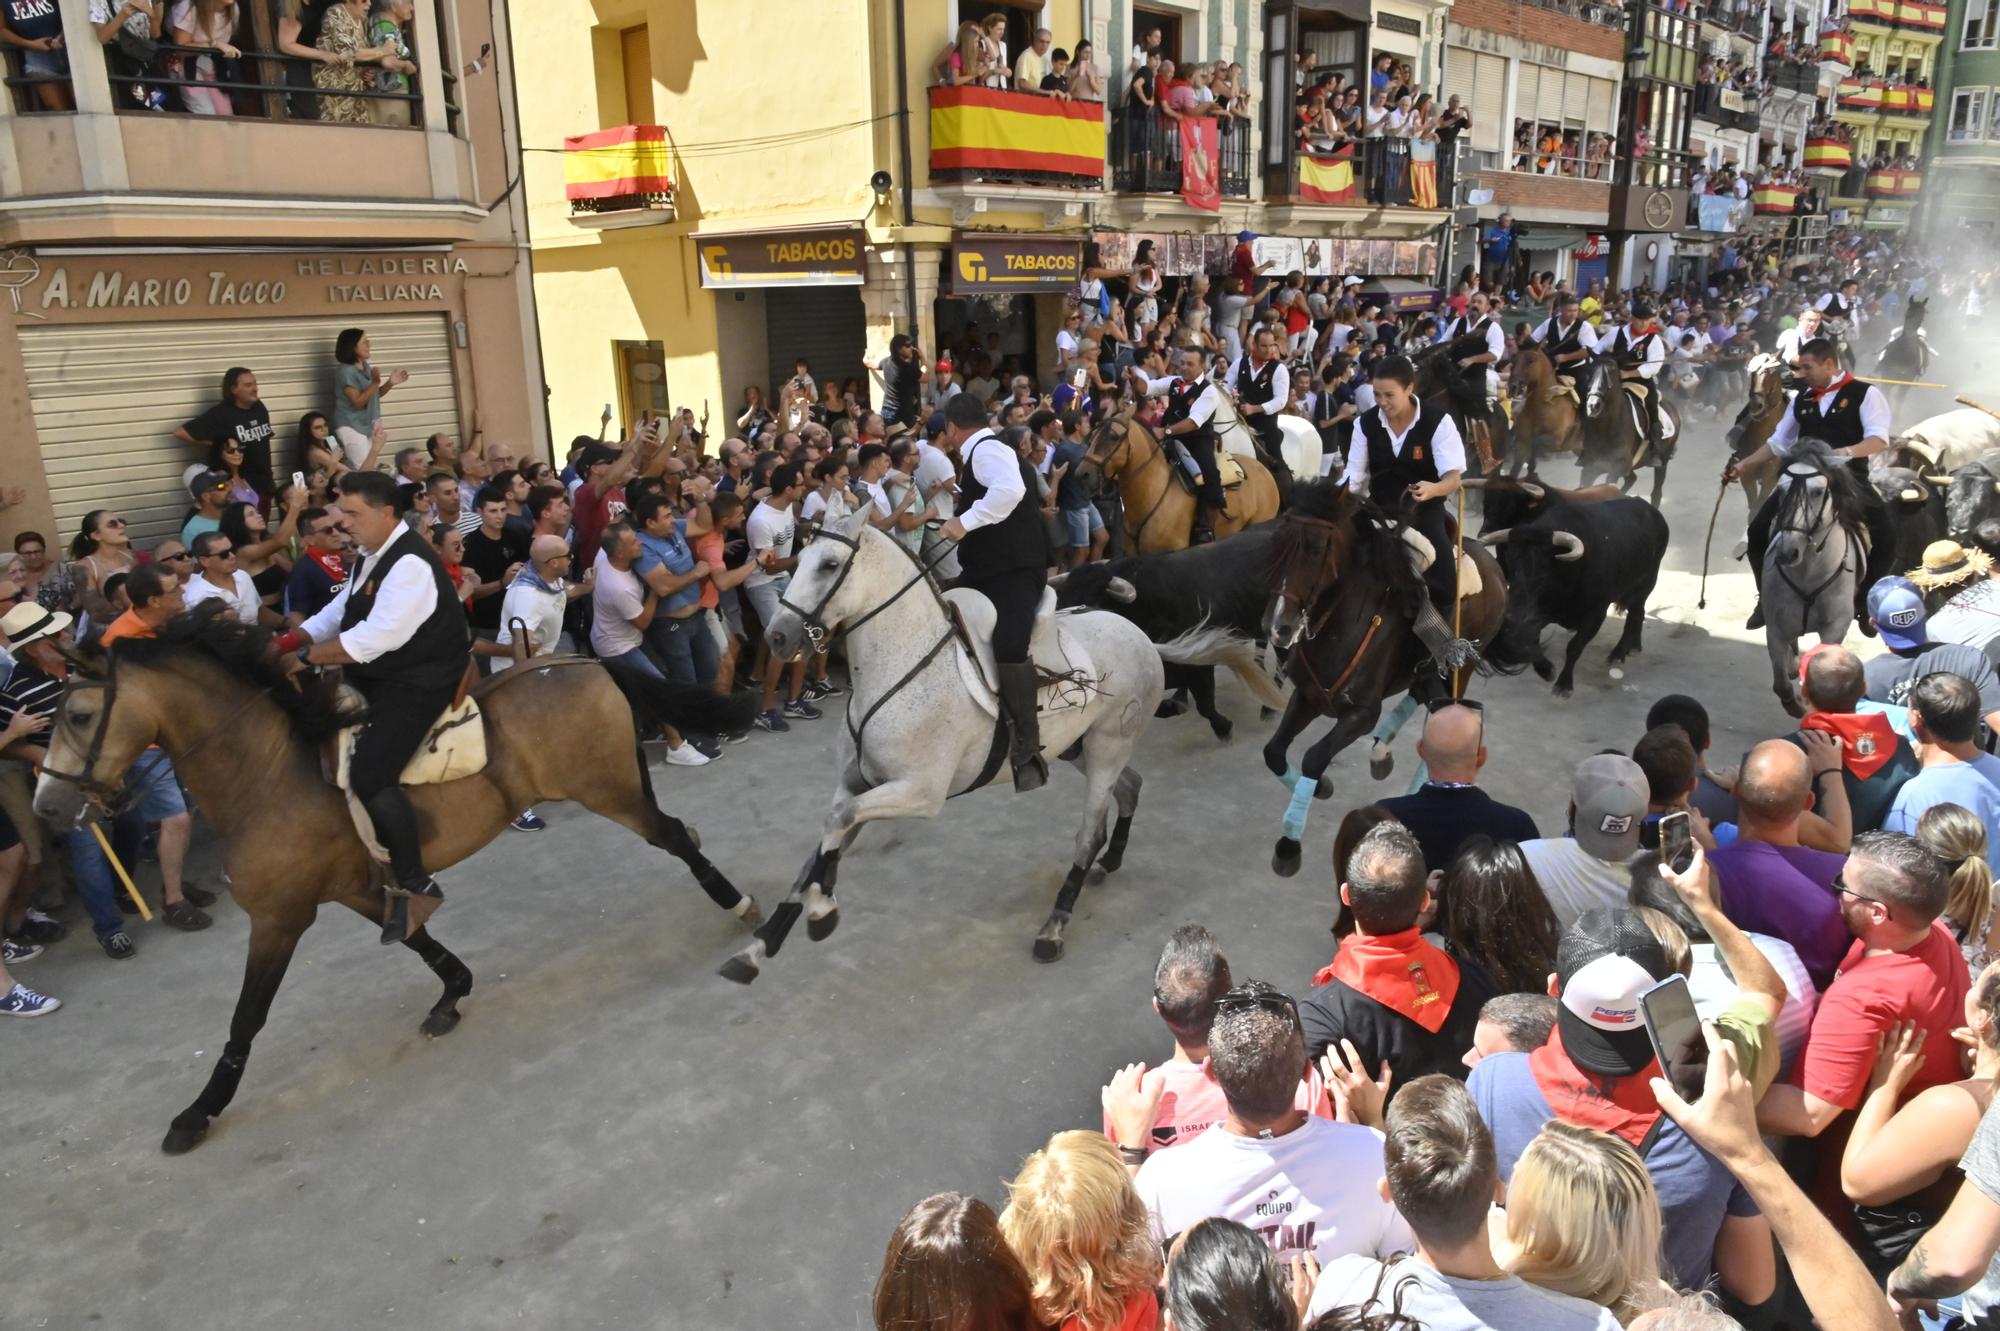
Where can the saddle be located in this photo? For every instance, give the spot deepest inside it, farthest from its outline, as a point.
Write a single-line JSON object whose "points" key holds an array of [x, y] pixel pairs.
{"points": [[1670, 425], [1065, 670], [1226, 466], [1422, 556]]}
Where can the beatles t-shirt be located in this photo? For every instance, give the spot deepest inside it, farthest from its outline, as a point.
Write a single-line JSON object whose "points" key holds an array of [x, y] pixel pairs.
{"points": [[250, 426]]}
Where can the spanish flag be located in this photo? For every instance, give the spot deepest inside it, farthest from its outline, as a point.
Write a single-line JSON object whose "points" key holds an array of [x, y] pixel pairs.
{"points": [[1830, 153], [991, 129], [1327, 179], [630, 159], [1836, 46], [1774, 198]]}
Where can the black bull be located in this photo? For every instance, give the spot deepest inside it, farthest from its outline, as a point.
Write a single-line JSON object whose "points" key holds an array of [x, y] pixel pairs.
{"points": [[1225, 585], [1568, 561]]}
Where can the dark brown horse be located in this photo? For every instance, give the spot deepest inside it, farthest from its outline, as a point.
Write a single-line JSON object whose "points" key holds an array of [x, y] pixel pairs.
{"points": [[246, 741], [1342, 589], [1549, 418]]}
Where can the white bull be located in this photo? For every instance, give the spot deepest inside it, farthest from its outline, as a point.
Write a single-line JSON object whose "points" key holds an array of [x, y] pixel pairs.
{"points": [[1939, 445]]}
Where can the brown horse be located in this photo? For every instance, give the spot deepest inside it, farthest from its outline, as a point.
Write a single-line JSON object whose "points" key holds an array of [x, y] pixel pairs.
{"points": [[1549, 419], [246, 741], [1342, 585], [1760, 416], [1159, 510]]}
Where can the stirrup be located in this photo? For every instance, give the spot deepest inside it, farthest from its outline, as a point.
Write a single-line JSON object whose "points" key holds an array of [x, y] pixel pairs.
{"points": [[1756, 620], [1032, 774]]}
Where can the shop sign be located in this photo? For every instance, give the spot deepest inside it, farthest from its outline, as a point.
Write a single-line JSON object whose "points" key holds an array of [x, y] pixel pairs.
{"points": [[1595, 246], [824, 257], [995, 265], [73, 288]]}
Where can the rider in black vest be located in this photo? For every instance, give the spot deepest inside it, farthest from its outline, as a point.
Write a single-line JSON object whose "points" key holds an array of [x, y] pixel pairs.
{"points": [[1411, 477], [400, 633], [1003, 551], [1568, 340], [1851, 418], [1640, 356], [1262, 383], [1190, 418]]}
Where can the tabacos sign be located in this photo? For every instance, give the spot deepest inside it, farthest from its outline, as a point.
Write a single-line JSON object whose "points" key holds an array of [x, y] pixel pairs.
{"points": [[1003, 265], [825, 257]]}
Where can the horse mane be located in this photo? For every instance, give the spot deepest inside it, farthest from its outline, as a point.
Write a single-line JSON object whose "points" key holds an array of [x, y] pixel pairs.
{"points": [[211, 634], [1848, 501], [1342, 523]]}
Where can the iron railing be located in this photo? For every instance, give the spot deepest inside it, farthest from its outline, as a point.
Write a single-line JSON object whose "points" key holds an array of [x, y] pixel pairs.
{"points": [[1146, 154]]}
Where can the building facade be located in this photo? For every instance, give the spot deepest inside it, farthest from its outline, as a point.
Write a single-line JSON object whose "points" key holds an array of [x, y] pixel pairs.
{"points": [[146, 249], [1964, 162]]}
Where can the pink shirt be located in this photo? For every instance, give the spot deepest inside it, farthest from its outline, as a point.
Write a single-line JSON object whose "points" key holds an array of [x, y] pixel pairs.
{"points": [[1193, 1102]]}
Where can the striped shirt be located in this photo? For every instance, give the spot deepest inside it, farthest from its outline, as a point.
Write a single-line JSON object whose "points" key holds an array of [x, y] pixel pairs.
{"points": [[29, 689]]}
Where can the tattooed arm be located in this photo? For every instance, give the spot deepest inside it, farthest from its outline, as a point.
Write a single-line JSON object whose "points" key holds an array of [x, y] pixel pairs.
{"points": [[1950, 1259]]}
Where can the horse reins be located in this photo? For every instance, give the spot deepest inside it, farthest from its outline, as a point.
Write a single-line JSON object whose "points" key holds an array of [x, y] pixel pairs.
{"points": [[1314, 626], [1160, 453], [1825, 501]]}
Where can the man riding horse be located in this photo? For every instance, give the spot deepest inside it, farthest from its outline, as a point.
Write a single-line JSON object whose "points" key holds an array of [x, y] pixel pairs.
{"points": [[1568, 340], [1640, 352], [1478, 321], [1852, 419], [1262, 384], [1190, 417], [1409, 461], [398, 629]]}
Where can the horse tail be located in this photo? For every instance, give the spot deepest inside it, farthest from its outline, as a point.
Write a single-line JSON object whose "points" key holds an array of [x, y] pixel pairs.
{"points": [[689, 708], [1204, 646]]}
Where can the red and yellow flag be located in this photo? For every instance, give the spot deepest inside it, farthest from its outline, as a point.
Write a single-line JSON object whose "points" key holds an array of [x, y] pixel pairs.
{"points": [[1774, 198], [1328, 179], [1829, 153], [991, 129], [629, 159]]}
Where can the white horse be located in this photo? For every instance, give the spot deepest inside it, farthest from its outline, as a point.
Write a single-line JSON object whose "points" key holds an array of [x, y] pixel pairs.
{"points": [[1816, 557], [922, 724], [1301, 448]]}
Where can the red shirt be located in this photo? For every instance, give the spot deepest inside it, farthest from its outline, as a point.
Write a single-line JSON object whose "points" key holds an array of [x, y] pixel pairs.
{"points": [[1868, 996], [593, 513]]}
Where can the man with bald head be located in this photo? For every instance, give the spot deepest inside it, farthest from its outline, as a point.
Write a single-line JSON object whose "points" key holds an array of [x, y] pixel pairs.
{"points": [[1769, 883], [537, 596], [1450, 808], [1875, 759]]}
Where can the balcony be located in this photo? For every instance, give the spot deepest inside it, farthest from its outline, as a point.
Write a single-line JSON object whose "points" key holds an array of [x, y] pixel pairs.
{"points": [[1908, 18], [1146, 155], [1738, 17], [1830, 157], [1601, 15], [1895, 184], [993, 145], [1726, 107], [1836, 48], [1775, 200], [619, 177], [1862, 100]]}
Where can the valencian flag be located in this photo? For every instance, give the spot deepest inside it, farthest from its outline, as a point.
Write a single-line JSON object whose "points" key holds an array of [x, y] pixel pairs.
{"points": [[1329, 178], [631, 159], [1201, 163], [991, 129], [1423, 174]]}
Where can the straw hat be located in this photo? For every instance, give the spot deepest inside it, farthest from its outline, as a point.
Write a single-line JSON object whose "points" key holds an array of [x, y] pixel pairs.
{"points": [[1947, 563]]}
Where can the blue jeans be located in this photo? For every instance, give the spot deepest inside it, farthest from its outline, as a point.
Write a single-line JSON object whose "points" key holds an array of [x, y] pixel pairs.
{"points": [[636, 659], [686, 646], [149, 794]]}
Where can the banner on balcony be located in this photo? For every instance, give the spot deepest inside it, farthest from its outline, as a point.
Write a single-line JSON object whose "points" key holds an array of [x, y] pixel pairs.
{"points": [[628, 159], [1829, 154], [991, 129], [1774, 198], [1201, 163], [1327, 179], [1717, 212], [1731, 100], [996, 265]]}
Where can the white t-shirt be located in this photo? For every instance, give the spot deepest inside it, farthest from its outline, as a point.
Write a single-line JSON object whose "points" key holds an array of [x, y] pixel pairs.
{"points": [[1311, 1189], [1439, 1302], [619, 599], [243, 599], [1573, 880], [1066, 343], [880, 494], [540, 611], [769, 529]]}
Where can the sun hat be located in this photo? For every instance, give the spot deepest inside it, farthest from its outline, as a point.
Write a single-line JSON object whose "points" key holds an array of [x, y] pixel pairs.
{"points": [[1947, 563]]}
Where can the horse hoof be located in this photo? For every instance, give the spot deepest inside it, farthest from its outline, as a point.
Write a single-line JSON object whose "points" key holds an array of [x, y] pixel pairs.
{"points": [[821, 928], [1324, 789], [1381, 762], [1546, 669], [1285, 859], [1170, 707], [1223, 728], [1562, 690], [751, 914], [183, 1137], [1110, 860], [439, 1023], [740, 969]]}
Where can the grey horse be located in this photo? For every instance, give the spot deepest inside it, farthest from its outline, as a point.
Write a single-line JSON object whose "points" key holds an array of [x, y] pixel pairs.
{"points": [[917, 732], [1817, 554]]}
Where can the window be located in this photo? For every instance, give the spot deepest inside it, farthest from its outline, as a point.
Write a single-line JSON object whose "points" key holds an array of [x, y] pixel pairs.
{"points": [[1557, 117], [1022, 20], [1968, 115], [1145, 20], [642, 378], [1982, 25], [636, 52], [1993, 124]]}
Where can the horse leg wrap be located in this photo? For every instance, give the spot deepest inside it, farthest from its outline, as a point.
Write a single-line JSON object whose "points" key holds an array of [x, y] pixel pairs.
{"points": [[1290, 780], [222, 1083], [1301, 803], [1114, 853], [772, 935], [1072, 888]]}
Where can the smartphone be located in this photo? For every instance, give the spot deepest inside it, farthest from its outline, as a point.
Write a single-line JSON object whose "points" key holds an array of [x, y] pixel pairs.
{"points": [[1676, 841], [299, 479], [607, 408], [1667, 1009], [1076, 380]]}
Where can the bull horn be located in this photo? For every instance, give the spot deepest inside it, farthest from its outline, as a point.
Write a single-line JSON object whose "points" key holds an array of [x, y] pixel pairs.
{"points": [[1057, 581], [1568, 546], [1922, 448], [1533, 491], [1936, 478], [1911, 495], [1118, 589], [1496, 537]]}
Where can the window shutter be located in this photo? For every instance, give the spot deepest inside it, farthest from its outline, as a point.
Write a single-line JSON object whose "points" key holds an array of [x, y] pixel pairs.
{"points": [[1603, 113], [1549, 105], [1489, 104], [1576, 98]]}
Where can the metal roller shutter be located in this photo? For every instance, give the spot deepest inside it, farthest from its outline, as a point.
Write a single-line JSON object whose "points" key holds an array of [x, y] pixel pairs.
{"points": [[826, 325], [1603, 114], [1576, 98], [1527, 79], [1549, 105], [1460, 67], [107, 398], [1489, 133]]}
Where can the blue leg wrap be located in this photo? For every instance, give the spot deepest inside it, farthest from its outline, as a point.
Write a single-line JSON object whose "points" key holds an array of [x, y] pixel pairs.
{"points": [[1295, 812]]}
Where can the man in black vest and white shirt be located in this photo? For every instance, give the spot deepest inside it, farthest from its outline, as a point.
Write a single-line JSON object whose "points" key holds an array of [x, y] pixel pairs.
{"points": [[1004, 552], [1843, 303], [1568, 340], [1190, 418], [1640, 353], [1409, 461], [400, 632], [1262, 383], [1852, 419], [1478, 321]]}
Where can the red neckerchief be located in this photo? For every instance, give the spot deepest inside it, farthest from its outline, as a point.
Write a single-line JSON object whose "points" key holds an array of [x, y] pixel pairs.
{"points": [[1402, 972], [1579, 1097], [1867, 742], [330, 565], [1142, 1313], [1823, 394]]}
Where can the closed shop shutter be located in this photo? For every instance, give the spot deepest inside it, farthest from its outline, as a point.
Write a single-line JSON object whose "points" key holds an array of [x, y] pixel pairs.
{"points": [[1489, 104], [107, 398], [825, 325]]}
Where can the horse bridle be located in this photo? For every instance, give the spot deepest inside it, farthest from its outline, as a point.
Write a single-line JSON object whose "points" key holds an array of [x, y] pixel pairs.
{"points": [[819, 633], [1124, 444], [1789, 511], [96, 792]]}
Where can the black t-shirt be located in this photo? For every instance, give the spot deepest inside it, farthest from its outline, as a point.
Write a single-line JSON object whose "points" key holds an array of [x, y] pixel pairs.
{"points": [[1443, 818], [251, 426], [490, 558]]}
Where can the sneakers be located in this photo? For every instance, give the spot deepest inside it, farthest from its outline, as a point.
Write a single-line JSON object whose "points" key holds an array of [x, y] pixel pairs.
{"points": [[821, 689], [800, 710], [187, 917], [770, 721], [687, 755], [529, 821], [15, 951], [117, 945], [22, 1001], [737, 736], [706, 745], [39, 927]]}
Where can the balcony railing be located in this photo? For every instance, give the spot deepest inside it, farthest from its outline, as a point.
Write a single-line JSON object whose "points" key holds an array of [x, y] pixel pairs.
{"points": [[1869, 95], [1726, 106], [1894, 183], [1586, 11], [1146, 155], [1831, 155], [992, 135], [1918, 16], [625, 173], [1836, 48], [1787, 77], [1775, 200]]}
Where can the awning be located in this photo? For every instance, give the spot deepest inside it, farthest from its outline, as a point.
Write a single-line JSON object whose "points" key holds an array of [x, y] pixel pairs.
{"points": [[1357, 10], [1555, 238], [1401, 294]]}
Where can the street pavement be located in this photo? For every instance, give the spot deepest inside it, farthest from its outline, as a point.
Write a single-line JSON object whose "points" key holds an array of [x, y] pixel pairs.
{"points": [[615, 1137]]}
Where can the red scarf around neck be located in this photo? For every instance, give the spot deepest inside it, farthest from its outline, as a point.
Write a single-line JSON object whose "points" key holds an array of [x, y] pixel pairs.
{"points": [[1402, 972], [1580, 1097], [1867, 742], [330, 564]]}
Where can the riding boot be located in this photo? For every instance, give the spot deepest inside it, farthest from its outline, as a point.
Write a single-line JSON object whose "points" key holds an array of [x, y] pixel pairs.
{"points": [[1758, 538], [1448, 652], [395, 824], [1017, 700]]}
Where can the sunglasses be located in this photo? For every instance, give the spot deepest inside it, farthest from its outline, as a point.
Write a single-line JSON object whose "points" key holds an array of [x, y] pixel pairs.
{"points": [[220, 554], [1841, 888], [1238, 1000], [112, 522], [177, 558]]}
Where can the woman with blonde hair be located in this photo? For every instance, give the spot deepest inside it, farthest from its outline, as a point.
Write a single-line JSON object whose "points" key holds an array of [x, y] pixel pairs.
{"points": [[1078, 1226], [1959, 838], [962, 60], [1583, 1220]]}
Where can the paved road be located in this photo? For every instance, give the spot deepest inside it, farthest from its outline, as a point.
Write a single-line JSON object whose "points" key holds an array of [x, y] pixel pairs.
{"points": [[615, 1137]]}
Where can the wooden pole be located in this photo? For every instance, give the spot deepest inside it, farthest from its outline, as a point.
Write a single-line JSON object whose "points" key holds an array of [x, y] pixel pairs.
{"points": [[97, 830], [1458, 601]]}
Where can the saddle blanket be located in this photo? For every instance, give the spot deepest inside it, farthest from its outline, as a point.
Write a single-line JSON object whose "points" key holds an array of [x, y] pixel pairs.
{"points": [[1422, 556], [1226, 466], [1670, 428], [1068, 674], [454, 747]]}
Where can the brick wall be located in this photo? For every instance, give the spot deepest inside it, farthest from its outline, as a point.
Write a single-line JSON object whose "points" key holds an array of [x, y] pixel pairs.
{"points": [[1531, 23], [1511, 190]]}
